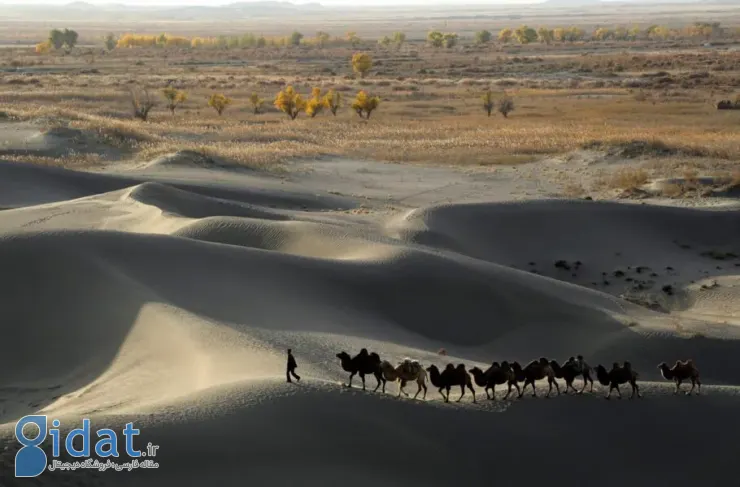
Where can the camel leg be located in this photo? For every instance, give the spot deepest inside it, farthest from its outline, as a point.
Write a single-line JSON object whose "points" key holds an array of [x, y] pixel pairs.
{"points": [[462, 389], [694, 382], [443, 394], [508, 392], [635, 389], [619, 393], [418, 388], [350, 379], [379, 378], [362, 376], [424, 397], [611, 388], [493, 392], [677, 382], [472, 391]]}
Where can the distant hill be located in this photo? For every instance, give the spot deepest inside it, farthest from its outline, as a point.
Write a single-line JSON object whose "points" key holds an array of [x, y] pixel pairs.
{"points": [[121, 12]]}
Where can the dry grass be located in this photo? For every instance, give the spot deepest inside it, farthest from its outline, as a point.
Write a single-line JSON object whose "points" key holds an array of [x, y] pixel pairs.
{"points": [[430, 112]]}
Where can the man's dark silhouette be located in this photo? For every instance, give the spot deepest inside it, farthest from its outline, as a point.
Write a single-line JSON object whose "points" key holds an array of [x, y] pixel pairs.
{"points": [[292, 365]]}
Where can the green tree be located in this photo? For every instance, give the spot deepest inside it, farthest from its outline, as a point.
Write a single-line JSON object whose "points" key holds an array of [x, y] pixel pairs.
{"points": [[295, 38], [56, 38], [110, 42], [525, 35], [399, 38], [435, 38], [483, 37]]}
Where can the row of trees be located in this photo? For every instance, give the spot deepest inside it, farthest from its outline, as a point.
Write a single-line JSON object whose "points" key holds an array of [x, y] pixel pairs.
{"points": [[288, 101], [67, 39], [58, 39], [527, 35]]}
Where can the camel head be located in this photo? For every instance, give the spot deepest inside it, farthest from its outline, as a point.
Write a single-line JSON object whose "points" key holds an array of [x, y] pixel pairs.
{"points": [[495, 365], [628, 365], [343, 356], [363, 352], [460, 367], [580, 357], [476, 372], [543, 361]]}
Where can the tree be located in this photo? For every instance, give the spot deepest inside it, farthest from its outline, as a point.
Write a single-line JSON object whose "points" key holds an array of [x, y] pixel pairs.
{"points": [[56, 39], [488, 102], [602, 34], [219, 102], [483, 37], [435, 38], [361, 63], [450, 40], [70, 38], [545, 35], [322, 38], [332, 101], [364, 104], [110, 42], [315, 104], [525, 35], [505, 106], [399, 38], [353, 39], [43, 47], [505, 35], [295, 38], [257, 103], [174, 97], [141, 107], [290, 102], [385, 41]]}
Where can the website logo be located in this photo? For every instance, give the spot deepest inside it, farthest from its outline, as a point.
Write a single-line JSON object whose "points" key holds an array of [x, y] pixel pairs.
{"points": [[31, 460]]}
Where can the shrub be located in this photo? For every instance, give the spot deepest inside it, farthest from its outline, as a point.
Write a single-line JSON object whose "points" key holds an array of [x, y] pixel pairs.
{"points": [[219, 102], [361, 63], [256, 102], [505, 106], [332, 101], [174, 97], [290, 102], [364, 104], [141, 107], [488, 102]]}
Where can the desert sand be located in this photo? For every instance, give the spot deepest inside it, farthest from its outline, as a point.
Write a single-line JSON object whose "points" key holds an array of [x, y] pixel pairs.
{"points": [[166, 293]]}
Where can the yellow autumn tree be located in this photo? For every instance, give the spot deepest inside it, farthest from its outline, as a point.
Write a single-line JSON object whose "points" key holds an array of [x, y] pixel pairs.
{"points": [[174, 97], [315, 104], [257, 103], [364, 104], [43, 47], [290, 102], [361, 63], [219, 102], [332, 101]]}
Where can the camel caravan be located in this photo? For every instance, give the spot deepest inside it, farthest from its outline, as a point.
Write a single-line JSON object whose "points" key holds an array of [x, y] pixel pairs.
{"points": [[509, 374]]}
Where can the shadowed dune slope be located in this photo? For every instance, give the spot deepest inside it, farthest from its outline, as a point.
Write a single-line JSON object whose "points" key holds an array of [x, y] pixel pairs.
{"points": [[174, 302]]}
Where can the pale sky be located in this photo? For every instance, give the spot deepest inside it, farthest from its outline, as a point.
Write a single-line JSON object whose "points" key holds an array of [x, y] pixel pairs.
{"points": [[353, 3]]}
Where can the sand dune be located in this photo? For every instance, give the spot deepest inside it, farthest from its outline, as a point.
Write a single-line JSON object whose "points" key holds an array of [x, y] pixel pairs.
{"points": [[169, 297]]}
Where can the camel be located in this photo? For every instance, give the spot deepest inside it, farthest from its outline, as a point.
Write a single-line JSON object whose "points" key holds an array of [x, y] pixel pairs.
{"points": [[534, 371], [451, 376], [618, 375], [407, 371], [362, 364], [680, 372], [495, 375], [571, 369]]}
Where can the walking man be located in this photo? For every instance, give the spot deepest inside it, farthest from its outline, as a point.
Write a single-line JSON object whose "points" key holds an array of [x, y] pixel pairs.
{"points": [[292, 365]]}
